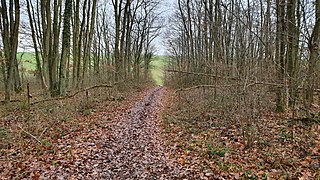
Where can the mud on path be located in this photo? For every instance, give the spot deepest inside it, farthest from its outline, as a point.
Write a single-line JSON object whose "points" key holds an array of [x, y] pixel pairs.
{"points": [[136, 149]]}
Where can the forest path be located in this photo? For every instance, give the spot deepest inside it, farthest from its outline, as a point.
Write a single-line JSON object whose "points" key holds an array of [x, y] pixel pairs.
{"points": [[136, 149], [126, 144]]}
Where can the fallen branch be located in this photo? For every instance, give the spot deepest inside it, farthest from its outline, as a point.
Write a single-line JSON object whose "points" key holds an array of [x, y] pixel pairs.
{"points": [[43, 132], [30, 135], [244, 85], [92, 87], [203, 74], [14, 100], [74, 94], [230, 77], [208, 86], [279, 85], [265, 83]]}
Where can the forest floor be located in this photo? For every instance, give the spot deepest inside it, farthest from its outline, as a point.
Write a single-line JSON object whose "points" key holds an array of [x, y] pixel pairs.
{"points": [[211, 146], [142, 137], [122, 141]]}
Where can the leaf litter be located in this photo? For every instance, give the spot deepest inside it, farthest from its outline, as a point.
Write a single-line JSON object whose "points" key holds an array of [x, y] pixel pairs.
{"points": [[128, 140], [124, 142], [282, 148]]}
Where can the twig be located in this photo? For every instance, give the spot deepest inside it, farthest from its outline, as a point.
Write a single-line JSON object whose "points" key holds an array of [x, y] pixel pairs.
{"points": [[14, 100], [74, 94], [242, 84], [43, 132], [30, 135], [203, 74], [208, 86]]}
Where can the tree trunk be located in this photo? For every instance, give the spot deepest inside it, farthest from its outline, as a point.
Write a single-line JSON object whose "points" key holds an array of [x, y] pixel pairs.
{"points": [[35, 45], [313, 58], [75, 40], [280, 54], [65, 47], [117, 17], [292, 58], [9, 27]]}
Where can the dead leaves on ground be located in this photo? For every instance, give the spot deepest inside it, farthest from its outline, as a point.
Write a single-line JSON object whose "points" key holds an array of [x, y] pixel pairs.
{"points": [[280, 148], [119, 141], [69, 155], [109, 145]]}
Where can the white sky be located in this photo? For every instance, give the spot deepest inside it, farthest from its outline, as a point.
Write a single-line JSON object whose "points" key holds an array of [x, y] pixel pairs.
{"points": [[167, 6]]}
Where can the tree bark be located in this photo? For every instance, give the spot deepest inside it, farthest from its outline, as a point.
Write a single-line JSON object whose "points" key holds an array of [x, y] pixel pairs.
{"points": [[313, 58], [65, 47], [280, 54], [9, 26]]}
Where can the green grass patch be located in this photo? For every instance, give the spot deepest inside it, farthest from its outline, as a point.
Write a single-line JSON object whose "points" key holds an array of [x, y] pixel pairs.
{"points": [[27, 60], [217, 151], [158, 65], [3, 132]]}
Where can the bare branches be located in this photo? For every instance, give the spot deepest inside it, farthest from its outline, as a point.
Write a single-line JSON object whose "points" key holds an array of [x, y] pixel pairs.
{"points": [[203, 74], [74, 94], [240, 85], [207, 86]]}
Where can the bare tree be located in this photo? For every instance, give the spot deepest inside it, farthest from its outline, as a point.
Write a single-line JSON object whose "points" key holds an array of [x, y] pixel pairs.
{"points": [[9, 26], [313, 46], [32, 24]]}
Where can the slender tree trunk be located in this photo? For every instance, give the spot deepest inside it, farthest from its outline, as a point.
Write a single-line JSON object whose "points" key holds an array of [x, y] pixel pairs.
{"points": [[291, 51], [9, 26], [117, 17], [314, 42], [35, 44], [88, 40], [280, 54], [75, 40], [65, 47]]}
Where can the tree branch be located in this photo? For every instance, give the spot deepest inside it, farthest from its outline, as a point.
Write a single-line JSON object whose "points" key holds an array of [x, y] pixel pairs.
{"points": [[74, 94], [233, 85], [30, 135], [203, 74]]}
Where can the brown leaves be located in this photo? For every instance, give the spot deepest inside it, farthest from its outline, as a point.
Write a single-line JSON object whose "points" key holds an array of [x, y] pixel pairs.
{"points": [[123, 140], [280, 147], [82, 153]]}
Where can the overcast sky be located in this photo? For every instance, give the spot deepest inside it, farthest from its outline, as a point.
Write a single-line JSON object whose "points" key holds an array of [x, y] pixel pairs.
{"points": [[167, 6]]}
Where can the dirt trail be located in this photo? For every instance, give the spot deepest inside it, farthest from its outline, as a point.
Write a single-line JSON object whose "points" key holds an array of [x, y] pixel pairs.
{"points": [[136, 149], [128, 147]]}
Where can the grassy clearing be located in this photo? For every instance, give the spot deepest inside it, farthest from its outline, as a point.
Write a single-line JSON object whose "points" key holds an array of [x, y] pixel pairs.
{"points": [[27, 59], [158, 64], [28, 62]]}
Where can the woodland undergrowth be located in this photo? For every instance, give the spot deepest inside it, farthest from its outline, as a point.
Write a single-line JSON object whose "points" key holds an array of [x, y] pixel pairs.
{"points": [[232, 133]]}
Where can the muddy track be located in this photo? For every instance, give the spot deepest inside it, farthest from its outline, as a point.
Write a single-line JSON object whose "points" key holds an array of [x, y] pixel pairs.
{"points": [[127, 147], [137, 151]]}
